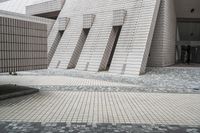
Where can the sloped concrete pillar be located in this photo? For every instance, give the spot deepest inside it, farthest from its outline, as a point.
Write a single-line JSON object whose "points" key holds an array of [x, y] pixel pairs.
{"points": [[88, 20], [117, 22], [62, 25], [134, 42]]}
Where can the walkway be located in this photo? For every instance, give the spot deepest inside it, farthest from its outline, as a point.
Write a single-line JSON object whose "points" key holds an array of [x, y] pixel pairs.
{"points": [[103, 107], [56, 80], [89, 103]]}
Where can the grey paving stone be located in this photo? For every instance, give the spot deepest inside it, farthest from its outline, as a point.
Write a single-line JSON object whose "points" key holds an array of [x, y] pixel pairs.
{"points": [[14, 127], [103, 107], [117, 89], [179, 80]]}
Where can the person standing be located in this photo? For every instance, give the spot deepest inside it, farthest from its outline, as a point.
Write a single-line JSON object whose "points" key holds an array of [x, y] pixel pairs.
{"points": [[188, 54]]}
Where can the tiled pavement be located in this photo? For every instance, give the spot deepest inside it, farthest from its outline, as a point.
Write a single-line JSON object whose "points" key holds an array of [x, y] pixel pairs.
{"points": [[181, 79], [81, 81], [56, 80], [103, 107], [91, 104]]}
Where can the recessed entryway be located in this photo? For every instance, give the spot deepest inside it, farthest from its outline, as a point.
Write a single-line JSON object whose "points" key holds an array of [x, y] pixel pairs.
{"points": [[188, 41], [188, 33]]}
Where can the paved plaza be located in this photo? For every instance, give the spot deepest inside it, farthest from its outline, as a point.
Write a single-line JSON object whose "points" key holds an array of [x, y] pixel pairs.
{"points": [[55, 80], [103, 107], [168, 77], [77, 103]]}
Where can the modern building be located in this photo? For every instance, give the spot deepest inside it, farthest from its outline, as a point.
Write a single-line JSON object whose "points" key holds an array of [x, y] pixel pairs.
{"points": [[118, 36]]}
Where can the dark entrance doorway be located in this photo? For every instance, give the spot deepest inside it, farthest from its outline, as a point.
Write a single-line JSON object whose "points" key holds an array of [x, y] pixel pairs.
{"points": [[188, 41]]}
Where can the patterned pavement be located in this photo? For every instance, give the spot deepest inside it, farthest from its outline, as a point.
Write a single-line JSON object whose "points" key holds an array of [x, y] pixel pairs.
{"points": [[103, 107], [89, 104], [37, 127], [56, 80], [170, 79]]}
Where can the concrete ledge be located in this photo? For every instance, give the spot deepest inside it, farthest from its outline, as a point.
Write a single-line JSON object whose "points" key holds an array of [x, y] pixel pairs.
{"points": [[45, 7], [10, 91]]}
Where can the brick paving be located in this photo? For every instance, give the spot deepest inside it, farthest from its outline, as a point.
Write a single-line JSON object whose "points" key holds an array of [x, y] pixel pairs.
{"points": [[56, 80], [170, 79], [103, 107], [76, 102]]}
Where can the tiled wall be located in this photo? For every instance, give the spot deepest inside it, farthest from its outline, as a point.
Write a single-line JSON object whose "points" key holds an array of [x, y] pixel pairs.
{"points": [[67, 43], [62, 23], [119, 17], [53, 48], [78, 49], [48, 22], [88, 20], [95, 45], [110, 46], [135, 39], [23, 45], [163, 44], [134, 43]]}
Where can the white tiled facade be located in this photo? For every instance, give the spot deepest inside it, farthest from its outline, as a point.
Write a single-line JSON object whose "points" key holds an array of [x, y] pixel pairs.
{"points": [[137, 18], [88, 20], [63, 22], [119, 17], [163, 44], [23, 45]]}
